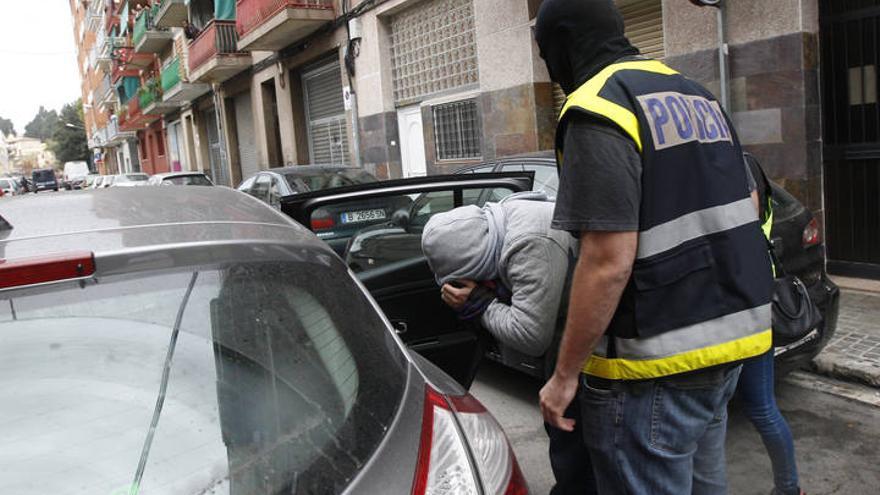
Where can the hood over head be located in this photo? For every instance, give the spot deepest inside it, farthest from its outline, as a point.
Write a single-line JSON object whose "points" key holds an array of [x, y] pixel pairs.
{"points": [[579, 38], [458, 245]]}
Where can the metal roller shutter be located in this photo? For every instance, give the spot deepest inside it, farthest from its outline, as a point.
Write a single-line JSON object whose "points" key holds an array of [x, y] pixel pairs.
{"points": [[643, 20], [325, 108], [247, 139]]}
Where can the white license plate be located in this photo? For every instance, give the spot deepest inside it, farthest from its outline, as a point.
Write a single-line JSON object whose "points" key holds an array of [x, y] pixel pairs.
{"points": [[363, 216]]}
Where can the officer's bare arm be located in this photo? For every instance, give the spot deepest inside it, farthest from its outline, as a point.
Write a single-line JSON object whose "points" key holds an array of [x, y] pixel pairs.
{"points": [[603, 269]]}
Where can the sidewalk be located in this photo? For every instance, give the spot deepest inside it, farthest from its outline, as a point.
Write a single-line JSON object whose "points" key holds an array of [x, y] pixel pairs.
{"points": [[854, 352]]}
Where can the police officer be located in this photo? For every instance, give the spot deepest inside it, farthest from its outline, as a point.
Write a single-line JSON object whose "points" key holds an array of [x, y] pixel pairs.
{"points": [[673, 284]]}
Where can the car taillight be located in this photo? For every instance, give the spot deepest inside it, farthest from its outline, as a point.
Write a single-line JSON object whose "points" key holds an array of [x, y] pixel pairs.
{"points": [[811, 234], [444, 465], [322, 222], [29, 271]]}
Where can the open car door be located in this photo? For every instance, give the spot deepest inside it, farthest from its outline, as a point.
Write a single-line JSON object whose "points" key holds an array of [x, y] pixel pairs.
{"points": [[377, 229]]}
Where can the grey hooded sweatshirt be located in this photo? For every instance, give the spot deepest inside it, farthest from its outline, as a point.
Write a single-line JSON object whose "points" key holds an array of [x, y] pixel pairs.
{"points": [[510, 241]]}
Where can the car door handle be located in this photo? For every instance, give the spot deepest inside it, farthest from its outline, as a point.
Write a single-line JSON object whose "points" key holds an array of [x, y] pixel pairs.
{"points": [[400, 326]]}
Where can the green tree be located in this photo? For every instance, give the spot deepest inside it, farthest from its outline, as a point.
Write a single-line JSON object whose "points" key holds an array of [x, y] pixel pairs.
{"points": [[43, 125], [69, 141], [6, 127]]}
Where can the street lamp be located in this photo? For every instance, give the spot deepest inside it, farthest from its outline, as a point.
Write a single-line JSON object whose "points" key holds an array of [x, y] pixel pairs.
{"points": [[74, 126]]}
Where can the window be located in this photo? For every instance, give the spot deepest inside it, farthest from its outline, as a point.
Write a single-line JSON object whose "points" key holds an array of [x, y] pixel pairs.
{"points": [[457, 131], [279, 372], [546, 176], [433, 49]]}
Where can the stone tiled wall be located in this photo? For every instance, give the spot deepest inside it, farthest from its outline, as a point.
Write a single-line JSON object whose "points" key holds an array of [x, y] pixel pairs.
{"points": [[775, 106], [380, 145]]}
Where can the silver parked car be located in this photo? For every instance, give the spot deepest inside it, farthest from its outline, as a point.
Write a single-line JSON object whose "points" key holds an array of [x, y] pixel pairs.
{"points": [[180, 179], [204, 343], [127, 180]]}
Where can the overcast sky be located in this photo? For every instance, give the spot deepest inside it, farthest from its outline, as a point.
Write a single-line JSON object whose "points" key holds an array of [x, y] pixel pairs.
{"points": [[38, 58]]}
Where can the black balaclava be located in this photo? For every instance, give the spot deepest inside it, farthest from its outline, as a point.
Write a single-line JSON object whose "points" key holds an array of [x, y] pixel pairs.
{"points": [[579, 38]]}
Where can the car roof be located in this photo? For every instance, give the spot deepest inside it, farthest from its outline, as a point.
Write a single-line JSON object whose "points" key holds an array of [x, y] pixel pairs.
{"points": [[114, 220], [313, 169], [176, 174]]}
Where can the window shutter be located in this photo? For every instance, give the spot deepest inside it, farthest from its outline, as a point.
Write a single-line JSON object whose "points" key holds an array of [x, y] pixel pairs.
{"points": [[328, 133]]}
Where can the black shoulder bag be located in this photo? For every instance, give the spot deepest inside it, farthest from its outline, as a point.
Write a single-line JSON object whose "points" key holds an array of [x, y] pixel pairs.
{"points": [[794, 314]]}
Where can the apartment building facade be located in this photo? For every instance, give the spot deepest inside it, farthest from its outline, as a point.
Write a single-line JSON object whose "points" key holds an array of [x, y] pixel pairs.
{"points": [[413, 87]]}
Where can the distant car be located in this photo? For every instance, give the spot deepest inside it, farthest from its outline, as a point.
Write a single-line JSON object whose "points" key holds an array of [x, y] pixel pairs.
{"points": [[75, 174], [90, 181], [204, 343], [333, 225], [127, 180], [44, 179], [180, 179], [9, 187]]}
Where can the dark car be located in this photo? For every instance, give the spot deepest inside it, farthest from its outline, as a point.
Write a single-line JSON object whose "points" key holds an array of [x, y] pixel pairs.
{"points": [[334, 225], [44, 179], [795, 237], [204, 343]]}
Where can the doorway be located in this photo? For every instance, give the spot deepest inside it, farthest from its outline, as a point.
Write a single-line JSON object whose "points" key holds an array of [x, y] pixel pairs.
{"points": [[412, 141], [851, 134]]}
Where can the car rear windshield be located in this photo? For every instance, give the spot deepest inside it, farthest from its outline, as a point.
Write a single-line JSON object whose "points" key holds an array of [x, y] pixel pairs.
{"points": [[42, 175], [188, 180], [329, 179], [250, 379], [134, 177], [785, 206]]}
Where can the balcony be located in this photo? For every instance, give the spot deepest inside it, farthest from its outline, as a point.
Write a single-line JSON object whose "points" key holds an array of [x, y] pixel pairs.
{"points": [[274, 24], [151, 100], [105, 93], [147, 38], [135, 118], [95, 16], [214, 55], [134, 60], [99, 138], [115, 135], [176, 90], [121, 68], [171, 13]]}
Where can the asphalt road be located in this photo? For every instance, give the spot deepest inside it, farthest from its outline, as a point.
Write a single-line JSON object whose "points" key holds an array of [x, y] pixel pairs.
{"points": [[836, 439]]}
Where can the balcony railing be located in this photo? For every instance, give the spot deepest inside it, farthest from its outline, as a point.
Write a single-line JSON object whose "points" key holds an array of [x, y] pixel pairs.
{"points": [[250, 14], [141, 24], [218, 38], [171, 75], [149, 94]]}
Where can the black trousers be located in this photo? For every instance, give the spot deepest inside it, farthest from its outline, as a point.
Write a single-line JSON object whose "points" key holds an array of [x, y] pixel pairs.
{"points": [[569, 457]]}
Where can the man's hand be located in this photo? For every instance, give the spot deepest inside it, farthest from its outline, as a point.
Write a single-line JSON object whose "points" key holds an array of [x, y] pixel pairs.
{"points": [[455, 297], [555, 396]]}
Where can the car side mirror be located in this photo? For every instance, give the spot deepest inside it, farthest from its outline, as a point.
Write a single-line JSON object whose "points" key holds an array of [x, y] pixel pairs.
{"points": [[400, 218]]}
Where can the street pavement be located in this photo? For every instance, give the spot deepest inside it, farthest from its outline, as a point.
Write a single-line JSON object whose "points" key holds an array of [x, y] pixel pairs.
{"points": [[854, 351], [836, 438]]}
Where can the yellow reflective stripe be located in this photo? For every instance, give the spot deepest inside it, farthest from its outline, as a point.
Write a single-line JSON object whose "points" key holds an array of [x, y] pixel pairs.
{"points": [[587, 96], [629, 369], [768, 224]]}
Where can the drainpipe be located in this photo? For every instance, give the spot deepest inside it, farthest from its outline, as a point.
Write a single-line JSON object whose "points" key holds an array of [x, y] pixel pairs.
{"points": [[349, 56], [223, 166], [723, 69]]}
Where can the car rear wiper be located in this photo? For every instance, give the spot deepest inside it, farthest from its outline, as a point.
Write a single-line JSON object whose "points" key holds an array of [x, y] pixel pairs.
{"points": [[163, 388]]}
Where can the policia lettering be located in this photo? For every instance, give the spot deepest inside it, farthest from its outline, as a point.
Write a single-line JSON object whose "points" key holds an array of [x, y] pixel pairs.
{"points": [[700, 291], [678, 119]]}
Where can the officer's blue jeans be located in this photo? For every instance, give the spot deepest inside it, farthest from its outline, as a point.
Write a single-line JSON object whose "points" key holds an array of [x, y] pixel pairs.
{"points": [[756, 393], [659, 437]]}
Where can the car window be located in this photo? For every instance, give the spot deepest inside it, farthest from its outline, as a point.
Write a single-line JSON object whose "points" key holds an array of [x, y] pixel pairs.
{"points": [[247, 185], [188, 180], [546, 178], [249, 379], [274, 196], [260, 190], [329, 179], [382, 231]]}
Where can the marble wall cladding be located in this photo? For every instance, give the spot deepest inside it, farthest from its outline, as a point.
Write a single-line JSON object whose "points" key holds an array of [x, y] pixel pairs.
{"points": [[380, 145], [775, 105]]}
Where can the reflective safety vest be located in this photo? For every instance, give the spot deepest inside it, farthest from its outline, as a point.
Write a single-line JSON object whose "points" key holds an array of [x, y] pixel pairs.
{"points": [[700, 291]]}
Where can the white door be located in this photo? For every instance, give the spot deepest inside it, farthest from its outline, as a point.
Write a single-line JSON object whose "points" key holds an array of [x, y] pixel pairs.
{"points": [[412, 141]]}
